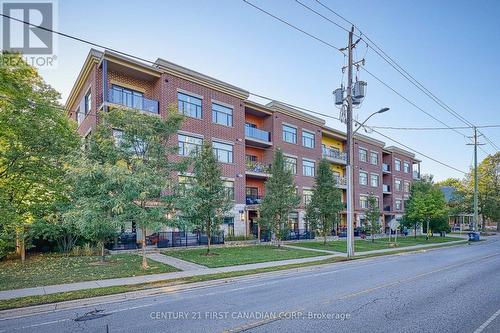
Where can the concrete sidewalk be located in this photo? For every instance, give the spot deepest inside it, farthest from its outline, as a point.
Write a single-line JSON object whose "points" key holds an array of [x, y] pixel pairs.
{"points": [[175, 262], [9, 294]]}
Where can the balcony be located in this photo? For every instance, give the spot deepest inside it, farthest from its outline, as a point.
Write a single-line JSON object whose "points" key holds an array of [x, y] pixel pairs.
{"points": [[386, 168], [341, 182], [387, 208], [257, 169], [133, 101], [416, 175], [334, 155], [253, 199], [257, 137], [386, 189]]}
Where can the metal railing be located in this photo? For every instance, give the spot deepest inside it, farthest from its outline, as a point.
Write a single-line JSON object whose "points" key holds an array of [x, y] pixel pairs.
{"points": [[255, 166], [387, 208], [340, 181], [183, 238], [297, 234], [386, 188], [332, 153], [386, 167], [134, 101], [258, 134], [253, 199]]}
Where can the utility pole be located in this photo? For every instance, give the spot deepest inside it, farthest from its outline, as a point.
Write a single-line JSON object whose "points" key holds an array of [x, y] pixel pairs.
{"points": [[350, 153], [476, 210]]}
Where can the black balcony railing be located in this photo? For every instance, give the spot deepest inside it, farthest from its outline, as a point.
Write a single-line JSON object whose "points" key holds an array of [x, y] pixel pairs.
{"points": [[294, 234], [387, 208], [258, 134], [183, 238], [259, 167], [333, 153], [131, 100], [253, 199]]}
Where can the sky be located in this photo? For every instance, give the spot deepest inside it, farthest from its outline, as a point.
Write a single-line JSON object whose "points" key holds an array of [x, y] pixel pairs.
{"points": [[451, 47]]}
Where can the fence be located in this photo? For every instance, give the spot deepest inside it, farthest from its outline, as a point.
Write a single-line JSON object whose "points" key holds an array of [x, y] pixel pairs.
{"points": [[297, 234], [183, 238]]}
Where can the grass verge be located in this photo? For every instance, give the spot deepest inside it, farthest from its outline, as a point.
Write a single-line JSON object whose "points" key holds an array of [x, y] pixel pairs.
{"points": [[378, 244], [89, 293], [232, 256], [42, 270]]}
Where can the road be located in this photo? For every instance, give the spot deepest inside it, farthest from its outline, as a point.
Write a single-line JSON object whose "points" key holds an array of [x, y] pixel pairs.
{"points": [[447, 290]]}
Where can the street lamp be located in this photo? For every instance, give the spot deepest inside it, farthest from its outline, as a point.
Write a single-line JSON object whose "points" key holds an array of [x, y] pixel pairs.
{"points": [[350, 187]]}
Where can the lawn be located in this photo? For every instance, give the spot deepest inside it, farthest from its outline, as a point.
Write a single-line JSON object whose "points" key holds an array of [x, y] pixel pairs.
{"points": [[48, 269], [231, 256], [381, 243]]}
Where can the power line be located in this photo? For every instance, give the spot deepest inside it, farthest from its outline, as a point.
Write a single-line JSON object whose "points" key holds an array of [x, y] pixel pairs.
{"points": [[432, 128], [393, 63], [291, 105]]}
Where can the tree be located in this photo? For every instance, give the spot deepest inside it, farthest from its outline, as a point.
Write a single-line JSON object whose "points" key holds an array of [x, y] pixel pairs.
{"points": [[426, 202], [35, 139], [323, 210], [373, 215], [280, 198], [206, 200], [134, 152]]}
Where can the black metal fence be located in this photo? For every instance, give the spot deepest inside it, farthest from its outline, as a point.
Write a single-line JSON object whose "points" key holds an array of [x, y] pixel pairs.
{"points": [[183, 238], [297, 234]]}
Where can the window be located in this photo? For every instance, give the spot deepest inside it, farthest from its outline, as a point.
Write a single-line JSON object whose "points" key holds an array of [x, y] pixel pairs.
{"points": [[118, 137], [189, 144], [289, 134], [308, 139], [127, 97], [88, 102], [407, 187], [229, 185], [374, 180], [222, 115], [373, 158], [185, 182], [293, 220], [250, 158], [189, 105], [397, 184], [363, 155], [223, 152], [229, 221], [397, 165], [252, 192], [398, 204], [363, 201], [291, 164], [406, 167], [363, 178], [308, 168], [79, 116], [307, 195]]}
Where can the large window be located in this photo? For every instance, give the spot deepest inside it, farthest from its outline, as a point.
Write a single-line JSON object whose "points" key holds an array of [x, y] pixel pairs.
{"points": [[406, 167], [407, 187], [374, 180], [398, 204], [289, 134], [88, 102], [363, 178], [293, 220], [363, 155], [79, 116], [397, 165], [127, 97], [229, 185], [291, 164], [135, 145], [363, 201], [307, 195], [308, 168], [223, 152], [185, 182], [189, 105], [189, 144], [308, 139], [222, 115], [373, 158], [397, 184]]}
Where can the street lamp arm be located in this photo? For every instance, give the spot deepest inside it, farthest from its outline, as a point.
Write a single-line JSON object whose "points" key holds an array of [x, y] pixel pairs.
{"points": [[364, 122]]}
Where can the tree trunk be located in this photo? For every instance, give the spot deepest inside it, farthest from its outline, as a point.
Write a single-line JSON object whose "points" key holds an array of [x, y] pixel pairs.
{"points": [[103, 257], [23, 250], [427, 231], [415, 233], [498, 226], [208, 238], [144, 260], [18, 244]]}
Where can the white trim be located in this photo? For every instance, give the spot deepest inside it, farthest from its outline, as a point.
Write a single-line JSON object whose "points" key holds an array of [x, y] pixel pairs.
{"points": [[308, 159], [228, 179], [214, 101], [289, 155], [309, 131], [186, 92], [223, 141], [288, 124], [194, 135]]}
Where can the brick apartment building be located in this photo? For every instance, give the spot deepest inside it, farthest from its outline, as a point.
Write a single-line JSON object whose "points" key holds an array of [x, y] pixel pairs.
{"points": [[243, 133]]}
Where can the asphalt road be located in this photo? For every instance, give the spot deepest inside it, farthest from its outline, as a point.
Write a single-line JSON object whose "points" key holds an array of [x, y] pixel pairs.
{"points": [[448, 290]]}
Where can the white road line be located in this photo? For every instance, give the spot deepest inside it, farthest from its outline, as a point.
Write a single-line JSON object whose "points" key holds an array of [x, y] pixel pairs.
{"points": [[487, 322]]}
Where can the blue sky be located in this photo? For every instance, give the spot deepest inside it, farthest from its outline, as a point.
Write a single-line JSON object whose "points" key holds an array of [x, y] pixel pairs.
{"points": [[451, 47]]}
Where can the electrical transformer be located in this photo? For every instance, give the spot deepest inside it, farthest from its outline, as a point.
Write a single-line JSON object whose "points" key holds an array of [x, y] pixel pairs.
{"points": [[359, 89]]}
